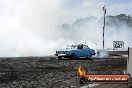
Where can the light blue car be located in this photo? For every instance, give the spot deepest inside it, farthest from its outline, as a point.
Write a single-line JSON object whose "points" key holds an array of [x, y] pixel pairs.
{"points": [[75, 51]]}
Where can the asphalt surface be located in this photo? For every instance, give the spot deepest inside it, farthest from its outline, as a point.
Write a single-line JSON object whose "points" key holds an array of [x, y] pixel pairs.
{"points": [[49, 72]]}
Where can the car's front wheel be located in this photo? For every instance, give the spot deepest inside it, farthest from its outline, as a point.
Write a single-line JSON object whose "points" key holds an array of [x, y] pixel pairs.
{"points": [[73, 56], [59, 57]]}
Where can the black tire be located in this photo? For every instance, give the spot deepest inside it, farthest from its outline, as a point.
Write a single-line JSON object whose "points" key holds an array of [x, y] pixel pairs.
{"points": [[59, 57], [91, 54], [73, 56], [88, 57]]}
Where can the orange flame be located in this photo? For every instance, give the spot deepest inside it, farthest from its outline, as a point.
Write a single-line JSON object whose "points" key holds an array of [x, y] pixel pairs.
{"points": [[81, 71]]}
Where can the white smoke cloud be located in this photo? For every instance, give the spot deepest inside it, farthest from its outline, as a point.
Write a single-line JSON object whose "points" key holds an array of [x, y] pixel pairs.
{"points": [[30, 27], [27, 27], [92, 30]]}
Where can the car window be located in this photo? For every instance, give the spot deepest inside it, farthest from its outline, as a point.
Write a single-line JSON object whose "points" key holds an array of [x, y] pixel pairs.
{"points": [[80, 46], [85, 46]]}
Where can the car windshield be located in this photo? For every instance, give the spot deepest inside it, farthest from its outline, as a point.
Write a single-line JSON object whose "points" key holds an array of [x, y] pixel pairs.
{"points": [[81, 46], [71, 46]]}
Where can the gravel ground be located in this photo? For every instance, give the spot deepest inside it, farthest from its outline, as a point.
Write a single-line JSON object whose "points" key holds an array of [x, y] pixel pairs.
{"points": [[49, 72]]}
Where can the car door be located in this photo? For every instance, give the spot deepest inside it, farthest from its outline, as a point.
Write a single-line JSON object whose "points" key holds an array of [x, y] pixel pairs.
{"points": [[79, 51], [82, 52], [85, 51]]}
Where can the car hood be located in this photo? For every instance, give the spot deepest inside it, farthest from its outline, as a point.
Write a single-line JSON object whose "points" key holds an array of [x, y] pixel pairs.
{"points": [[68, 49]]}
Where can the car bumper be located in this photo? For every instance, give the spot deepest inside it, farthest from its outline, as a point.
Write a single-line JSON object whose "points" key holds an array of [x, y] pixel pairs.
{"points": [[62, 55], [94, 53]]}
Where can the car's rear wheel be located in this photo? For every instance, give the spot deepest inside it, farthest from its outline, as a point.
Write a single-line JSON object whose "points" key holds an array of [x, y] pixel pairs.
{"points": [[89, 55], [73, 56]]}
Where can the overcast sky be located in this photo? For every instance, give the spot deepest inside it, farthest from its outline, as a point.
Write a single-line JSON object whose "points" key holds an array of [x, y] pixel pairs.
{"points": [[84, 8]]}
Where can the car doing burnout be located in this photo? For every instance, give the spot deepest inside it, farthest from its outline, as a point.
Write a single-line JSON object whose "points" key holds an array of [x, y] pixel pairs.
{"points": [[75, 51]]}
